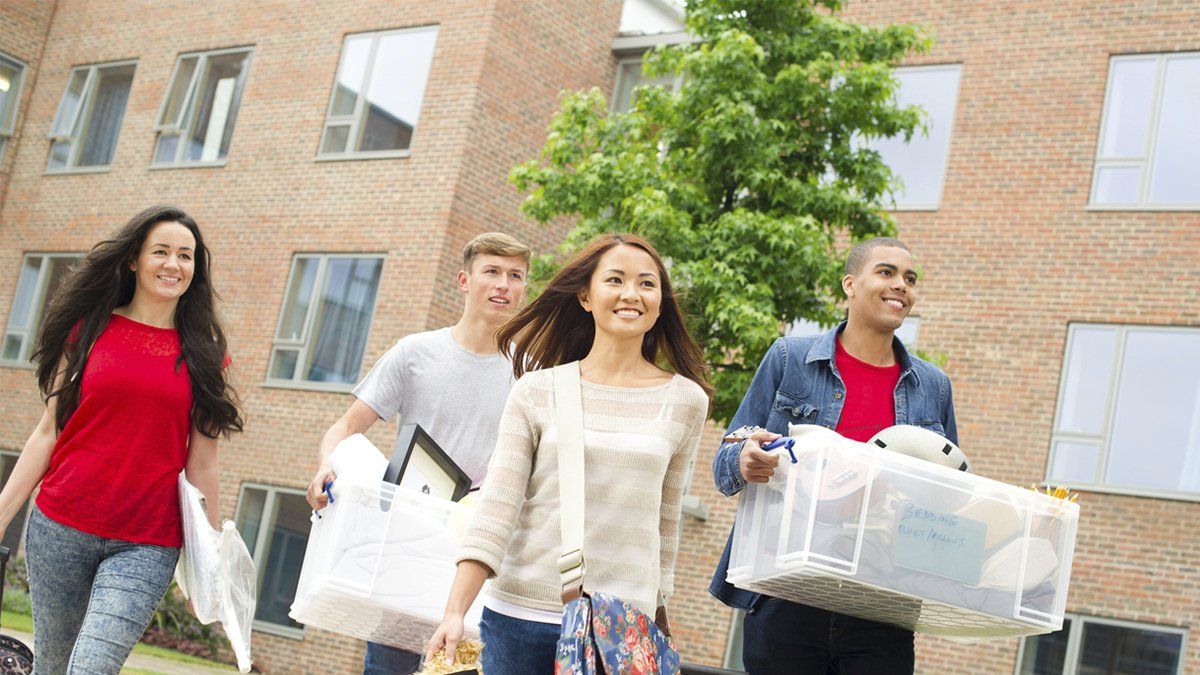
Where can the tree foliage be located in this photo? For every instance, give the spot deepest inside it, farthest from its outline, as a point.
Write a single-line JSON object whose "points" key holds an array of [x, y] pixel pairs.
{"points": [[744, 178]]}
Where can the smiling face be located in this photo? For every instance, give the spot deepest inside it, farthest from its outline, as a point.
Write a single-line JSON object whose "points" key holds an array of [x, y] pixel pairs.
{"points": [[883, 291], [625, 293], [164, 266], [494, 286]]}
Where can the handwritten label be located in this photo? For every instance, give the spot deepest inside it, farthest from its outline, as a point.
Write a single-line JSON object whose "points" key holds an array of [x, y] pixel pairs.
{"points": [[938, 542]]}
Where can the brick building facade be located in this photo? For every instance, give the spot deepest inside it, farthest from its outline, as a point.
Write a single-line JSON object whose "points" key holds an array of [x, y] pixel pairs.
{"points": [[1022, 248]]}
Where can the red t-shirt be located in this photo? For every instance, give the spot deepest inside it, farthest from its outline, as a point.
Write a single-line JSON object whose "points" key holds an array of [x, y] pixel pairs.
{"points": [[114, 467], [870, 403]]}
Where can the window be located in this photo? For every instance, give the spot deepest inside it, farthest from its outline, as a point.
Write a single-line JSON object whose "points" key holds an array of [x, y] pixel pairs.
{"points": [[735, 646], [1148, 154], [41, 274], [322, 331], [274, 524], [12, 536], [89, 116], [629, 76], [197, 116], [12, 73], [377, 96], [920, 163], [1090, 646], [1124, 390]]}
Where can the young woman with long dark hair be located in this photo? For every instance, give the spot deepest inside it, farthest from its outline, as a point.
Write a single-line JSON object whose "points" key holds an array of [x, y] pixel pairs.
{"points": [[645, 398], [131, 364]]}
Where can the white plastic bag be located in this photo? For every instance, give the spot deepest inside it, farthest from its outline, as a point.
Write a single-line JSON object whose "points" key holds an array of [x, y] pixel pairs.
{"points": [[216, 573]]}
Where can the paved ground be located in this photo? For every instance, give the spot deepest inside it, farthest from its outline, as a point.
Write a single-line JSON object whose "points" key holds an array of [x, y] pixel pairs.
{"points": [[148, 664]]}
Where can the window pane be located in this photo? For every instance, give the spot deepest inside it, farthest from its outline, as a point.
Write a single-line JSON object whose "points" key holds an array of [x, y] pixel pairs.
{"points": [[1085, 388], [921, 162], [164, 152], [10, 87], [249, 516], [335, 139], [1175, 176], [67, 107], [339, 336], [298, 298], [1115, 650], [1130, 95], [60, 154], [59, 267], [179, 87], [629, 77], [351, 72], [216, 99], [397, 86], [283, 364], [103, 125], [1046, 654], [12, 346], [281, 561], [22, 308], [1074, 462], [1158, 412], [1118, 184]]}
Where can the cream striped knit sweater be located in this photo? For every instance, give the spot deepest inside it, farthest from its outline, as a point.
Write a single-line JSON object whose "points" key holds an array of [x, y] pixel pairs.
{"points": [[639, 447]]}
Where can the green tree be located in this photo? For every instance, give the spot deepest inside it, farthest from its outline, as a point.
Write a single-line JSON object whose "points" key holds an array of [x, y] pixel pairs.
{"points": [[746, 177]]}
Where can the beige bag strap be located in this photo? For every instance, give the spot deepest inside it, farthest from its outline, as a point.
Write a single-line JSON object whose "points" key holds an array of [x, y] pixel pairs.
{"points": [[568, 408]]}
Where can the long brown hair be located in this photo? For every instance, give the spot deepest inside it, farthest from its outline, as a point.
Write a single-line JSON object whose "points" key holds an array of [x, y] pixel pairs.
{"points": [[81, 307], [554, 329]]}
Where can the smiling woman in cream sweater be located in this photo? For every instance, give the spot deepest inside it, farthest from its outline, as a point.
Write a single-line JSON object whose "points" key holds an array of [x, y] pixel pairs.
{"points": [[612, 309]]}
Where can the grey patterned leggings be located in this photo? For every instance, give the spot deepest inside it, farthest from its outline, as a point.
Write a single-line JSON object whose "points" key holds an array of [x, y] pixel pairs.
{"points": [[92, 597]]}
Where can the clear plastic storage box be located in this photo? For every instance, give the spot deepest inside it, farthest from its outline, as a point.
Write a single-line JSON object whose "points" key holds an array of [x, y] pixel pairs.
{"points": [[379, 565], [872, 533]]}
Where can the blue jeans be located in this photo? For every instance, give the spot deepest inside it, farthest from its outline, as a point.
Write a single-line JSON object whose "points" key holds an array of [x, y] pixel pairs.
{"points": [[516, 646], [387, 660], [92, 597], [784, 637]]}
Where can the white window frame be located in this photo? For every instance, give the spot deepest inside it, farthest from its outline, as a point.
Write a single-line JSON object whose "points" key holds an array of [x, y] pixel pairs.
{"points": [[1075, 640], [355, 118], [187, 108], [619, 81], [1144, 162], [1102, 438], [75, 130], [36, 309], [301, 344], [14, 91], [260, 545]]}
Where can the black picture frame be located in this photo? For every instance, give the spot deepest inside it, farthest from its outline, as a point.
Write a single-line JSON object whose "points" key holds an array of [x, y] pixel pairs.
{"points": [[418, 459]]}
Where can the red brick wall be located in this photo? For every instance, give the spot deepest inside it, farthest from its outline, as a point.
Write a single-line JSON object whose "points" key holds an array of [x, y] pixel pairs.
{"points": [[496, 73], [23, 26], [1011, 257], [1014, 255]]}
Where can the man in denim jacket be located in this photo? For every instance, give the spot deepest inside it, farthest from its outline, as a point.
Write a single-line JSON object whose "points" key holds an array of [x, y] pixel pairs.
{"points": [[857, 379]]}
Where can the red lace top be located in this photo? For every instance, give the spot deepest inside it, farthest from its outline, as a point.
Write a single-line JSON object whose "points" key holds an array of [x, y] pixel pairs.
{"points": [[114, 467]]}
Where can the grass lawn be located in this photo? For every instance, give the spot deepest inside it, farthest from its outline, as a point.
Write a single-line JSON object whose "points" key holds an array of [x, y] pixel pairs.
{"points": [[24, 623]]}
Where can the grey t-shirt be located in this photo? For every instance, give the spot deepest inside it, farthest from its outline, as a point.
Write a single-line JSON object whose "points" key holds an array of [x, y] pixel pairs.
{"points": [[455, 395]]}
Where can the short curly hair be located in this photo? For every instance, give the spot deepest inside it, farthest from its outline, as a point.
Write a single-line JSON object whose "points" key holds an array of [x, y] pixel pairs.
{"points": [[858, 255]]}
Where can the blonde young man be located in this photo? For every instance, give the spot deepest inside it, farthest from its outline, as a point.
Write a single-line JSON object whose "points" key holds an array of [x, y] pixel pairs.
{"points": [[421, 380]]}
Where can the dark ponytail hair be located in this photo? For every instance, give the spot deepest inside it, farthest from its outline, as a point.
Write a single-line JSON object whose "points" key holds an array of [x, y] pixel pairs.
{"points": [[103, 281], [555, 329]]}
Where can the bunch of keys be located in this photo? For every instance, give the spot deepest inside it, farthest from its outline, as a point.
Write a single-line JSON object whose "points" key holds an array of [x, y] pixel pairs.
{"points": [[744, 433]]}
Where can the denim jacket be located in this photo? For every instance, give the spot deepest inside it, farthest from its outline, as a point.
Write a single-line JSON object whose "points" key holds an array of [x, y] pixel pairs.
{"points": [[798, 383]]}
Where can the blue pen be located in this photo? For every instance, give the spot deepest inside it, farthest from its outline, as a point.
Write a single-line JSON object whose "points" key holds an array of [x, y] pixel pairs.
{"points": [[783, 441]]}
